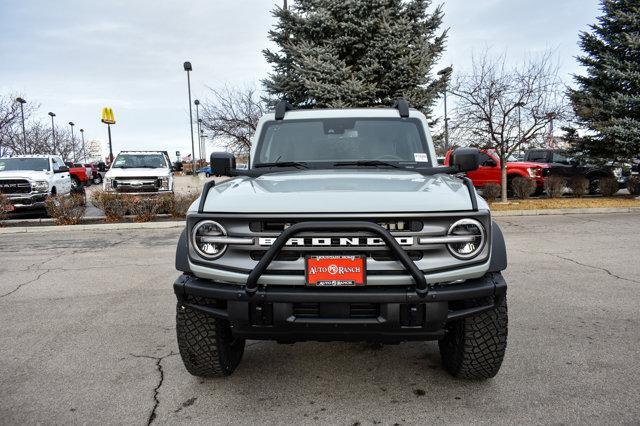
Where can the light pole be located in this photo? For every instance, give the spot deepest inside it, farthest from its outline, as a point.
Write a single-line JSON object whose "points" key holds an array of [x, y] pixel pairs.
{"points": [[53, 133], [446, 73], [202, 147], [73, 142], [24, 132], [84, 153], [188, 69], [520, 105], [197, 103]]}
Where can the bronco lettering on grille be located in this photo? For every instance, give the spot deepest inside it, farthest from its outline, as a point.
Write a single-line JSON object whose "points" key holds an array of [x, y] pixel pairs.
{"points": [[335, 241]]}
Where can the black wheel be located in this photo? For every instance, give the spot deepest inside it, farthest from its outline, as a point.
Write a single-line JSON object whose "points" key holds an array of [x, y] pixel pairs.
{"points": [[594, 185], [207, 174], [75, 184], [97, 180], [473, 348], [207, 346]]}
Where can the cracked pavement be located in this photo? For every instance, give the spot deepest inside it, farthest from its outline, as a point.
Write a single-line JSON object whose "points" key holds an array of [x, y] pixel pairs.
{"points": [[87, 335]]}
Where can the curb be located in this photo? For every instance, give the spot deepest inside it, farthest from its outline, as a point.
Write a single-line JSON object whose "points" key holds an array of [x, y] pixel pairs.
{"points": [[95, 227], [560, 212]]}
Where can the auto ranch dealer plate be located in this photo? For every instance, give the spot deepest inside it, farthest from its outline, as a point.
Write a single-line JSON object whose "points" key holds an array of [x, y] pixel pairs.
{"points": [[336, 271]]}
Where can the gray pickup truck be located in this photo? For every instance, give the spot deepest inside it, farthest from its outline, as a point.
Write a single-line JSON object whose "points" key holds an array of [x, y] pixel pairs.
{"points": [[343, 228]]}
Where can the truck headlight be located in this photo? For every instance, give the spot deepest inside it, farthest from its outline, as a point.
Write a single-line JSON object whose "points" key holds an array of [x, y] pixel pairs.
{"points": [[469, 249], [201, 236], [40, 186], [164, 183], [108, 184], [534, 172]]}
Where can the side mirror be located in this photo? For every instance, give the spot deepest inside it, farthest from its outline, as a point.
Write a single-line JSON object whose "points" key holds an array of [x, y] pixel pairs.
{"points": [[490, 163], [61, 169], [223, 163], [466, 159]]}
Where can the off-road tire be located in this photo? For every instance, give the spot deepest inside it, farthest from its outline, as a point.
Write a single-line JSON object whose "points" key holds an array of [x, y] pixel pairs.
{"points": [[206, 344], [473, 347]]}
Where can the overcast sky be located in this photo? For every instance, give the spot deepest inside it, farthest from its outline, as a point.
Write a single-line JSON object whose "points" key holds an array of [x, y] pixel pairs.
{"points": [[75, 57]]}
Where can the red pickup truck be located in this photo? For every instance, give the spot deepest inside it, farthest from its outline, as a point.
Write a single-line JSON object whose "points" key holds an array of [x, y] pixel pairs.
{"points": [[489, 171], [78, 174]]}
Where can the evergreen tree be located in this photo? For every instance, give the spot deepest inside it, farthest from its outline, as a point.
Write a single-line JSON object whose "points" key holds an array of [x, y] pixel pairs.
{"points": [[607, 100], [356, 53]]}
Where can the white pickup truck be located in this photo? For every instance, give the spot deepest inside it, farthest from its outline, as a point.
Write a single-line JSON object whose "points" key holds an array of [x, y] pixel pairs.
{"points": [[27, 180], [140, 173]]}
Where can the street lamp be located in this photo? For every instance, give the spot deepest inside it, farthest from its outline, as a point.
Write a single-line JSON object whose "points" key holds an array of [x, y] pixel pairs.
{"points": [[197, 103], [84, 153], [73, 142], [24, 132], [202, 147], [53, 133], [520, 105], [446, 73], [188, 69]]}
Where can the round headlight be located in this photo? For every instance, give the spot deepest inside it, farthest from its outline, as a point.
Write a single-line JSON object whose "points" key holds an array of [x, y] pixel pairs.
{"points": [[473, 244], [200, 237]]}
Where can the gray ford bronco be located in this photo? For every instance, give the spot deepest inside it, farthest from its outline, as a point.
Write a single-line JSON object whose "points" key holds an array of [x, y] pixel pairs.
{"points": [[342, 228]]}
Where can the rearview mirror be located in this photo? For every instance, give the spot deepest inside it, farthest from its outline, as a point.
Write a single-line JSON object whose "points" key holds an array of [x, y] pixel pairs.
{"points": [[466, 159], [223, 163]]}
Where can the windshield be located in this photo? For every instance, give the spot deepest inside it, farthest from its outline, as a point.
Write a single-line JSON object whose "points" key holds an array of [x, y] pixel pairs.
{"points": [[335, 140], [130, 161], [10, 164]]}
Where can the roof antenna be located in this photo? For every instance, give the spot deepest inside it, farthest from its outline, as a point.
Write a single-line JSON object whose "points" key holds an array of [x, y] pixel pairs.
{"points": [[402, 106]]}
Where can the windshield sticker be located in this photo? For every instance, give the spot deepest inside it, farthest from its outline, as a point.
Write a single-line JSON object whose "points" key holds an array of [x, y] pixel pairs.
{"points": [[420, 157]]}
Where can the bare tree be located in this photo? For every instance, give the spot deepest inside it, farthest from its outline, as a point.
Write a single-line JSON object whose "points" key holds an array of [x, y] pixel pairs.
{"points": [[10, 119], [230, 117], [504, 108]]}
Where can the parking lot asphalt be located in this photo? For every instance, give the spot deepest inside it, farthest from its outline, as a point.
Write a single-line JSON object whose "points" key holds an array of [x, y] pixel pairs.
{"points": [[87, 335]]}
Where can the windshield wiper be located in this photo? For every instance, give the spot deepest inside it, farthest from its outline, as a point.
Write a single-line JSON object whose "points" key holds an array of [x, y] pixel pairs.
{"points": [[296, 164], [366, 163]]}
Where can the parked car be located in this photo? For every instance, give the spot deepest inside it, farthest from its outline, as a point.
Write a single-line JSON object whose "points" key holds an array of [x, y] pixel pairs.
{"points": [[559, 163], [342, 228], [78, 174], [489, 171], [96, 177], [27, 180], [140, 173], [206, 170]]}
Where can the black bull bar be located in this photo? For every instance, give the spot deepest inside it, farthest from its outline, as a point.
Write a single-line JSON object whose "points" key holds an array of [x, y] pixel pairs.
{"points": [[373, 228]]}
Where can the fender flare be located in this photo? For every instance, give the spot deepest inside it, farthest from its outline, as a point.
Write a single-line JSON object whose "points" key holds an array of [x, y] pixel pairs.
{"points": [[498, 260], [182, 253]]}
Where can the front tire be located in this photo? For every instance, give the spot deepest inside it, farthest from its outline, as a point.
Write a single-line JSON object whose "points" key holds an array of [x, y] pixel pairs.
{"points": [[206, 344], [97, 180], [474, 347]]}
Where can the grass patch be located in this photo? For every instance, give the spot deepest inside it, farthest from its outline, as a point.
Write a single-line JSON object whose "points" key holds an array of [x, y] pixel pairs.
{"points": [[567, 203]]}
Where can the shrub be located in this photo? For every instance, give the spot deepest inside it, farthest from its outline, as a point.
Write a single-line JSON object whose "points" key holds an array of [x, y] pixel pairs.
{"points": [[178, 204], [633, 185], [608, 186], [579, 186], [554, 186], [66, 210], [114, 206], [491, 191], [522, 187], [5, 205], [146, 209]]}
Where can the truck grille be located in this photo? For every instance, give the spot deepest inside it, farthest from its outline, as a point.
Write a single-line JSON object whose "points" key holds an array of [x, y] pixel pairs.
{"points": [[336, 310], [138, 184], [15, 186]]}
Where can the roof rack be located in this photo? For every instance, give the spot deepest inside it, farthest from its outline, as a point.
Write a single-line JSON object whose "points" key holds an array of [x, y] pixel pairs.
{"points": [[281, 109], [402, 106]]}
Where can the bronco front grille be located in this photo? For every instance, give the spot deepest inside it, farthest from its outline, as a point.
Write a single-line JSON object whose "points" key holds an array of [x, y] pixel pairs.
{"points": [[15, 186]]}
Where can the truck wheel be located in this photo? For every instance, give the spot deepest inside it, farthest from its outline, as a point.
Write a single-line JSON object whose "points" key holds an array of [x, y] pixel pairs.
{"points": [[75, 184], [473, 347], [207, 346]]}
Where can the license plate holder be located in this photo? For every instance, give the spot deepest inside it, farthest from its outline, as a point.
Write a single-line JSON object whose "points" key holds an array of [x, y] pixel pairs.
{"points": [[336, 270]]}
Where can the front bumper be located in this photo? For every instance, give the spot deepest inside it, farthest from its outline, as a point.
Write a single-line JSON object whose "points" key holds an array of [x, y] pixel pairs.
{"points": [[32, 201], [141, 194], [289, 314]]}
